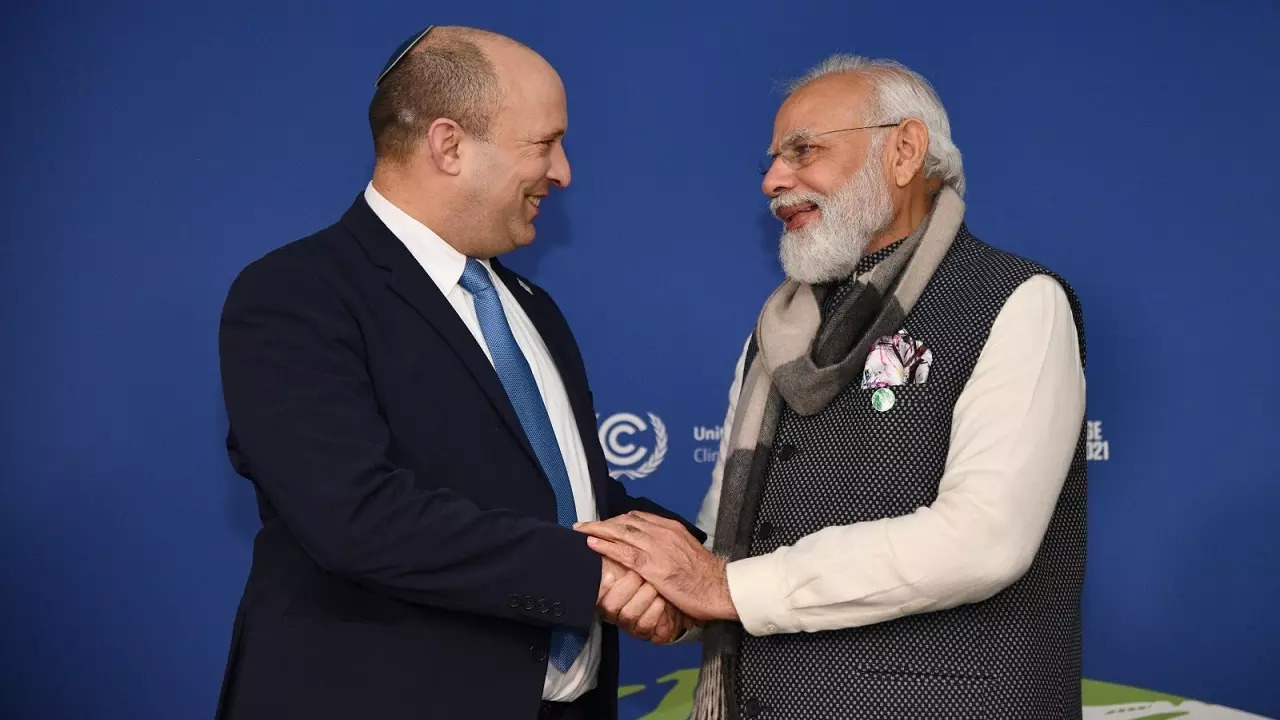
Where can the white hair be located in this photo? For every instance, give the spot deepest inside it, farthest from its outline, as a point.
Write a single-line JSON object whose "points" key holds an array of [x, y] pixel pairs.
{"points": [[900, 93]]}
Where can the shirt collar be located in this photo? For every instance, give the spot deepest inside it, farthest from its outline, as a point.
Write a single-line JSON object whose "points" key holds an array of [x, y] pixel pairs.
{"points": [[438, 258]]}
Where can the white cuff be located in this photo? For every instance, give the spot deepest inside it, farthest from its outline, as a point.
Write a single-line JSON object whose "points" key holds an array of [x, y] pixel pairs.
{"points": [[757, 588]]}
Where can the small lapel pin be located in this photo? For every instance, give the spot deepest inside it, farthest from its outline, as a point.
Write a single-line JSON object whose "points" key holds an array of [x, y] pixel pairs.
{"points": [[882, 399], [526, 287]]}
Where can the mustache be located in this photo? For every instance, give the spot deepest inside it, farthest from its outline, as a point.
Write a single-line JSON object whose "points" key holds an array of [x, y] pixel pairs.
{"points": [[795, 198]]}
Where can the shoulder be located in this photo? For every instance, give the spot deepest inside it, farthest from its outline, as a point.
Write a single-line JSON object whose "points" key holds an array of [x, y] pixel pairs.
{"points": [[1005, 276], [986, 260], [1032, 297], [302, 268]]}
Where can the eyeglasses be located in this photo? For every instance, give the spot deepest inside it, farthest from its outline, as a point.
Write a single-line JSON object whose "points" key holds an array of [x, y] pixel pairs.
{"points": [[798, 151], [400, 52]]}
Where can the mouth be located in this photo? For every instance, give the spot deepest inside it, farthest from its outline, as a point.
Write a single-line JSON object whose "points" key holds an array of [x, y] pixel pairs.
{"points": [[535, 201], [797, 216]]}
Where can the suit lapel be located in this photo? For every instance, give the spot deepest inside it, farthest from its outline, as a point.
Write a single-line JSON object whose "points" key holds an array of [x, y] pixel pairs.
{"points": [[555, 335], [408, 280]]}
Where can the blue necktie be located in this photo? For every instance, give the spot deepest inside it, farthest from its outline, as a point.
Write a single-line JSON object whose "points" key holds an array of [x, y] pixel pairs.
{"points": [[517, 378]]}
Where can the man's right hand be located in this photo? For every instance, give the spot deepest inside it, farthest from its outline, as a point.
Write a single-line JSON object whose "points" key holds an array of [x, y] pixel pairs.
{"points": [[635, 606]]}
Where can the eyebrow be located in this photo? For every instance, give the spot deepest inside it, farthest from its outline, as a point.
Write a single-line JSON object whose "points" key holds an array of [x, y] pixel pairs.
{"points": [[790, 137]]}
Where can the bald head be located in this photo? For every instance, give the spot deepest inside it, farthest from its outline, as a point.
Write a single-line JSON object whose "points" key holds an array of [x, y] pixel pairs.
{"points": [[468, 129], [454, 72]]}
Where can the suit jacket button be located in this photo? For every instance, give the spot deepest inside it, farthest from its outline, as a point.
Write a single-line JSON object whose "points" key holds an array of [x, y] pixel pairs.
{"points": [[513, 601], [765, 531], [556, 609], [543, 606], [786, 451], [528, 602], [751, 708]]}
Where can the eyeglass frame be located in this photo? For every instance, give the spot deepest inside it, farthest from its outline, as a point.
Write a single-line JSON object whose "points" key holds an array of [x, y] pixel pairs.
{"points": [[772, 157]]}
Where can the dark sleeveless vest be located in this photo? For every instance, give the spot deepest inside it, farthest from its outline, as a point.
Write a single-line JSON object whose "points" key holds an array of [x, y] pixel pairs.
{"points": [[1015, 656]]}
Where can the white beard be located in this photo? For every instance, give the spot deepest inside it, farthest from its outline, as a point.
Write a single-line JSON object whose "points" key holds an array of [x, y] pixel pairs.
{"points": [[829, 248]]}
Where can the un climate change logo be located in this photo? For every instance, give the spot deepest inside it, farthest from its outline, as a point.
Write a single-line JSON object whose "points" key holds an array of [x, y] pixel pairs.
{"points": [[628, 456]]}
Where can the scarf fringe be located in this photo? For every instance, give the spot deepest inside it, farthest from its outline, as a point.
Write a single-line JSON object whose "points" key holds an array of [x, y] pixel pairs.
{"points": [[709, 701]]}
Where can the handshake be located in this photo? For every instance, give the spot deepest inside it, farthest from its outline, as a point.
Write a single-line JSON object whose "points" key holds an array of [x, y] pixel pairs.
{"points": [[658, 580]]}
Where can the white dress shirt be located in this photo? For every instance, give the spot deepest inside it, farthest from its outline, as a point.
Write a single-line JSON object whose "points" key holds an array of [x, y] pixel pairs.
{"points": [[1013, 436], [444, 265]]}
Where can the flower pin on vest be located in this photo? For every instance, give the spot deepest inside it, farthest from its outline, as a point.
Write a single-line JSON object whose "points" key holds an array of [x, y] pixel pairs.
{"points": [[897, 359]]}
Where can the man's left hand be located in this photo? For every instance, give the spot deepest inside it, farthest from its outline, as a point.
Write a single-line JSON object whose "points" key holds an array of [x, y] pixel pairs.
{"points": [[635, 606], [664, 553]]}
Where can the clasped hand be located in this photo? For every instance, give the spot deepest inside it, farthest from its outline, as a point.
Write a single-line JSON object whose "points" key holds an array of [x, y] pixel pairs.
{"points": [[635, 606], [658, 580]]}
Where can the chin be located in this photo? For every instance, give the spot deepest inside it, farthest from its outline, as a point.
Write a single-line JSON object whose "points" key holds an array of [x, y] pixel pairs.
{"points": [[812, 258], [524, 236]]}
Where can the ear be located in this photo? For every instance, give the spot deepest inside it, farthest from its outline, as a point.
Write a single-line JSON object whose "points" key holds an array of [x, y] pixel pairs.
{"points": [[910, 148], [443, 144]]}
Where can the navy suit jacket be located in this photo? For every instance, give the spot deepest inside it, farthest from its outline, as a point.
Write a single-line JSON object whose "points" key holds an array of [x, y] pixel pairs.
{"points": [[409, 563]]}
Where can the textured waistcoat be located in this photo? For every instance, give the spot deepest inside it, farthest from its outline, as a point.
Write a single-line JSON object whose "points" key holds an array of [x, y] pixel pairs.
{"points": [[1015, 656]]}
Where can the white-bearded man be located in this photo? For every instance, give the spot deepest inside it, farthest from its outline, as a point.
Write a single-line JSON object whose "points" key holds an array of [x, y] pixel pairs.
{"points": [[897, 521]]}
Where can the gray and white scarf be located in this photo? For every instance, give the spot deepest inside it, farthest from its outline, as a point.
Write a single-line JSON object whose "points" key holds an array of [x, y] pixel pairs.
{"points": [[806, 362]]}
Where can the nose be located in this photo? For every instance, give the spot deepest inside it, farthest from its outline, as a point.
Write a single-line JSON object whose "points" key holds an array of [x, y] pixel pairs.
{"points": [[559, 174], [779, 178]]}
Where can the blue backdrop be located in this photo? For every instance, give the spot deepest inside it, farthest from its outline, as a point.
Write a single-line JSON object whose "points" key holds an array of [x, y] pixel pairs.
{"points": [[153, 148]]}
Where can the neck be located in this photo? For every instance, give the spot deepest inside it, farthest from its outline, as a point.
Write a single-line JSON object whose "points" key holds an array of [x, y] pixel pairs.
{"points": [[411, 196], [906, 218]]}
